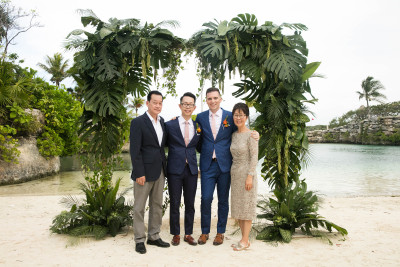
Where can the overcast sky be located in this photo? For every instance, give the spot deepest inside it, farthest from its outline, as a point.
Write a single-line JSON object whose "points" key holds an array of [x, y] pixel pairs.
{"points": [[352, 39]]}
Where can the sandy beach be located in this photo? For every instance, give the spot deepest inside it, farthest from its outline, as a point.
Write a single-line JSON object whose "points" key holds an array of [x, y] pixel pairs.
{"points": [[372, 223]]}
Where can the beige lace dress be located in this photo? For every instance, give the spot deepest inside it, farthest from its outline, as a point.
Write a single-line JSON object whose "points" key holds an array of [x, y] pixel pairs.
{"points": [[244, 150]]}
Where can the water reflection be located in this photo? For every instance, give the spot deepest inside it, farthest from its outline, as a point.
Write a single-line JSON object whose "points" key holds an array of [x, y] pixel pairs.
{"points": [[335, 170]]}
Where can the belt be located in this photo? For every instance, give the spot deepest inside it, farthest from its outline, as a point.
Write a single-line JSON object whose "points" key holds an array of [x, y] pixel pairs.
{"points": [[214, 159]]}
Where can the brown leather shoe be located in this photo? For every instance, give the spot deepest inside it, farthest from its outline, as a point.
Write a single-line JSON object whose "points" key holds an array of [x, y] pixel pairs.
{"points": [[176, 240], [203, 239], [190, 240], [219, 239]]}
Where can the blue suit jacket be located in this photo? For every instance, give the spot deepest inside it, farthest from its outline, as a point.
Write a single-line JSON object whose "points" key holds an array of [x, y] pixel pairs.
{"points": [[221, 144], [178, 152]]}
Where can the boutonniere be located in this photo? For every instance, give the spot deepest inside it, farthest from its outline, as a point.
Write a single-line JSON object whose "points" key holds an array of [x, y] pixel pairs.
{"points": [[198, 129], [225, 122]]}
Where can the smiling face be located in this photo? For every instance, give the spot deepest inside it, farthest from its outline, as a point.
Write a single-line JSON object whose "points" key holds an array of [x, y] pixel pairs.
{"points": [[154, 105], [213, 100], [239, 118], [187, 106]]}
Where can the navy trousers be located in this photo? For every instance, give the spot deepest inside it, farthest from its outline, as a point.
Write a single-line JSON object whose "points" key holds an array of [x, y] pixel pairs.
{"points": [[187, 182], [213, 176]]}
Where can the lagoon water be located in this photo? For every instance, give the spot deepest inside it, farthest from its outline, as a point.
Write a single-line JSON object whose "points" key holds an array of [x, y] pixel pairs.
{"points": [[335, 170]]}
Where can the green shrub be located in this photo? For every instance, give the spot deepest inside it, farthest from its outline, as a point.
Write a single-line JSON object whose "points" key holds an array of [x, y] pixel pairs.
{"points": [[100, 214], [49, 143], [8, 145], [294, 207]]}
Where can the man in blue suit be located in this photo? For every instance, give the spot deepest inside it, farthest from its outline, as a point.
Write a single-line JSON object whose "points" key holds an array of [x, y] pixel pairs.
{"points": [[215, 163], [182, 138]]}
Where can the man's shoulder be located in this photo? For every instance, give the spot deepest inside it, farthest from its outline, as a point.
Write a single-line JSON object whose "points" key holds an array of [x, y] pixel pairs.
{"points": [[202, 114], [139, 118]]}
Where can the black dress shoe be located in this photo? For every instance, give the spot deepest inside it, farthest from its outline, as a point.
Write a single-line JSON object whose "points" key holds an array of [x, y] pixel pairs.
{"points": [[140, 248], [158, 243]]}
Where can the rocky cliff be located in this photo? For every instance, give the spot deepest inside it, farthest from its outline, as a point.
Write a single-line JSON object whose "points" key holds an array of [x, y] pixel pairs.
{"points": [[31, 164], [376, 131]]}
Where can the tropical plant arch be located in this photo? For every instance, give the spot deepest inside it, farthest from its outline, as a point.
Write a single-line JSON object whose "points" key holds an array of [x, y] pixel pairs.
{"points": [[121, 55]]}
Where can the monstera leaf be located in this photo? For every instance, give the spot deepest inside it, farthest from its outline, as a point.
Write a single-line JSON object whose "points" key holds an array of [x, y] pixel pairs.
{"points": [[286, 63]]}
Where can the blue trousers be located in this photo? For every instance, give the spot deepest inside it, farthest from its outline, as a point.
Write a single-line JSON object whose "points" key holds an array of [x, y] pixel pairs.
{"points": [[177, 182], [213, 176]]}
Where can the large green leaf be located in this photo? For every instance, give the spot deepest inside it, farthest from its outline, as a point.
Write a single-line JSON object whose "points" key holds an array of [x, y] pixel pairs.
{"points": [[286, 63], [309, 70], [223, 28]]}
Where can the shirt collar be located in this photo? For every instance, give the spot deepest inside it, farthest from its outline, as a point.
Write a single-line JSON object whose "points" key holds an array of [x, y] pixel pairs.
{"points": [[218, 113], [152, 119], [182, 120]]}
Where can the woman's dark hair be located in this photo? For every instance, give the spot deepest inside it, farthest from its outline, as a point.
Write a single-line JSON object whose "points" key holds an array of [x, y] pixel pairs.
{"points": [[154, 92], [241, 107]]}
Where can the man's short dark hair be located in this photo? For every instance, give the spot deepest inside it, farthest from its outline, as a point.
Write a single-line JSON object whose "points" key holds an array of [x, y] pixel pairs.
{"points": [[189, 94], [212, 89], [241, 107], [154, 92]]}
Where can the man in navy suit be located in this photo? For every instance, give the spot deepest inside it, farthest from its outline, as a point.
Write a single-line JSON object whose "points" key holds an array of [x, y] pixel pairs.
{"points": [[215, 163], [147, 142], [182, 138]]}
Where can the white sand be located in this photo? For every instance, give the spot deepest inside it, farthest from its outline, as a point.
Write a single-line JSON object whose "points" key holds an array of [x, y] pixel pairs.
{"points": [[373, 224]]}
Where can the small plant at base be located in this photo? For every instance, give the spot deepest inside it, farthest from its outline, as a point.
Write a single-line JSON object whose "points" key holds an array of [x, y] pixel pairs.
{"points": [[294, 207]]}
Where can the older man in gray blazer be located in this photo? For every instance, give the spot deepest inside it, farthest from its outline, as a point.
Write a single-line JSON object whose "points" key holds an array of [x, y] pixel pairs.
{"points": [[147, 141]]}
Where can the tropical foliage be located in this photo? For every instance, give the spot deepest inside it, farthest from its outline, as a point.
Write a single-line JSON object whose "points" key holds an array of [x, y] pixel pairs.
{"points": [[371, 90], [102, 213], [115, 61], [294, 207], [21, 91], [275, 74], [57, 67]]}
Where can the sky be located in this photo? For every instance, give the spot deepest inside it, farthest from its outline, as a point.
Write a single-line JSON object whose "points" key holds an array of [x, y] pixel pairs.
{"points": [[353, 39]]}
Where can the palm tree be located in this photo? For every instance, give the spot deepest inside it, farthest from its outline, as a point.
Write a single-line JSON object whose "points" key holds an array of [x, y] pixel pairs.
{"points": [[57, 67], [137, 103], [370, 91]]}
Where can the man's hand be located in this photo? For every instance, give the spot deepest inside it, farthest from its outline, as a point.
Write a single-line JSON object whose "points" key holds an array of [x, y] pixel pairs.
{"points": [[141, 180], [255, 135], [249, 182]]}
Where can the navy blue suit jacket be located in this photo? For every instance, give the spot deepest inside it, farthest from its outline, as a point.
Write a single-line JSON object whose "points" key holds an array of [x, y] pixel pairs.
{"points": [[178, 152], [147, 156], [221, 144]]}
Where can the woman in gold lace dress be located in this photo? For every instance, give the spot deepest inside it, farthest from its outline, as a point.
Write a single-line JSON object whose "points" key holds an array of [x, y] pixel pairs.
{"points": [[244, 151]]}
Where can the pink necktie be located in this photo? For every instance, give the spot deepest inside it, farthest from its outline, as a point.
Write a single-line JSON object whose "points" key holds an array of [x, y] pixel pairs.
{"points": [[186, 133], [214, 131]]}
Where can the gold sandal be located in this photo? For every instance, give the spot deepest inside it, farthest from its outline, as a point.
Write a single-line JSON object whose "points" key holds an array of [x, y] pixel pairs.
{"points": [[240, 247]]}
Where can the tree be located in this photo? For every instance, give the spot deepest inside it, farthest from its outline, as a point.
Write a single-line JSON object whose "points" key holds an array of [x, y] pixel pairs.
{"points": [[371, 91], [9, 27], [275, 75], [137, 103], [57, 67], [115, 61]]}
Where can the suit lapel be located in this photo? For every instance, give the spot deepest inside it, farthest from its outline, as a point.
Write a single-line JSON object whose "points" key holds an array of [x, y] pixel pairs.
{"points": [[178, 131], [149, 124], [221, 126], [195, 136]]}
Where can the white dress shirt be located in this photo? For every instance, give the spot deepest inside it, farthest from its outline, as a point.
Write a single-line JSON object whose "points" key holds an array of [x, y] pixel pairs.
{"points": [[182, 126], [157, 127], [218, 119]]}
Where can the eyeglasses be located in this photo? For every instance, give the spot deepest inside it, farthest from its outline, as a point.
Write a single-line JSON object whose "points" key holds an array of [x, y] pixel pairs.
{"points": [[239, 116], [186, 105]]}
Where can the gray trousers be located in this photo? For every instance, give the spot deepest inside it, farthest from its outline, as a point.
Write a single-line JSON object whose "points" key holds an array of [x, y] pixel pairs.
{"points": [[153, 191]]}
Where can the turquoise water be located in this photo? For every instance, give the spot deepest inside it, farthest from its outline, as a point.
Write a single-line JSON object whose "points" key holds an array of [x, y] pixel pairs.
{"points": [[334, 170]]}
